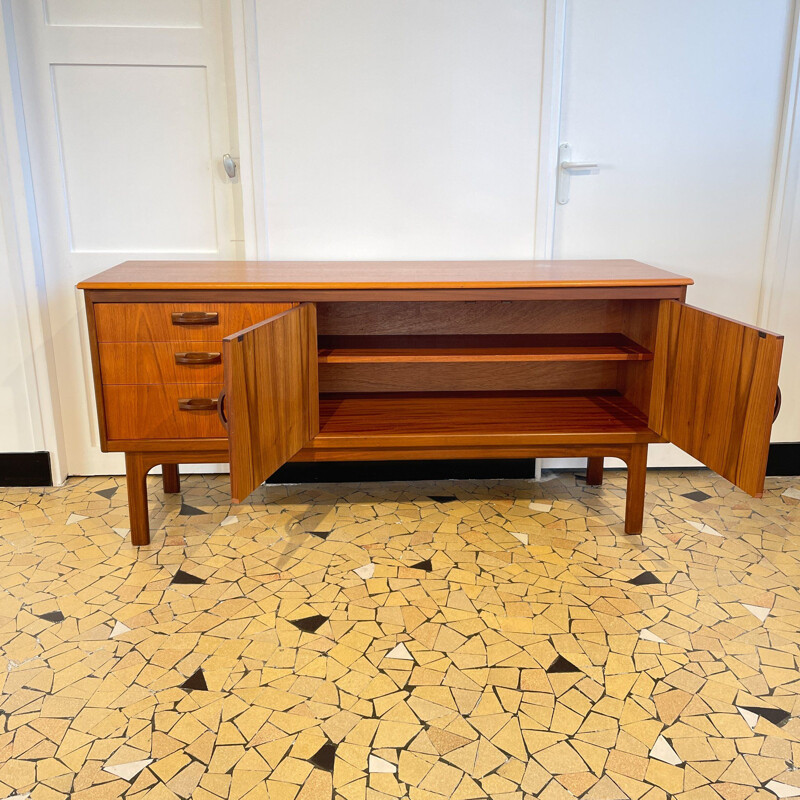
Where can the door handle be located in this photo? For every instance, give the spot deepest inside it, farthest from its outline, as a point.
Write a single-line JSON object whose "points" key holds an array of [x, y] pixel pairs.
{"points": [[578, 165], [229, 165], [565, 169]]}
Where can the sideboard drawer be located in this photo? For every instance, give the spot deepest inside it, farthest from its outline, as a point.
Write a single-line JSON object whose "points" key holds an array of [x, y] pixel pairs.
{"points": [[178, 322], [160, 362], [154, 412]]}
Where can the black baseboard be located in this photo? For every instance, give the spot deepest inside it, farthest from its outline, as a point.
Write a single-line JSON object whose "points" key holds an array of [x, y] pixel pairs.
{"points": [[429, 470], [784, 459], [25, 469]]}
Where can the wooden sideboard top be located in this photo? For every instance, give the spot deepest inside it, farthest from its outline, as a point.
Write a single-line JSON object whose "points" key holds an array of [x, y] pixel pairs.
{"points": [[380, 275]]}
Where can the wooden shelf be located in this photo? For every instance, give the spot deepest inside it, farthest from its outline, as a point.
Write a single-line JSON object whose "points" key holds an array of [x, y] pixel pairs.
{"points": [[472, 348], [476, 418]]}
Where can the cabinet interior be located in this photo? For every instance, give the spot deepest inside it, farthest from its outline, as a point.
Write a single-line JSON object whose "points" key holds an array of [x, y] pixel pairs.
{"points": [[489, 365]]}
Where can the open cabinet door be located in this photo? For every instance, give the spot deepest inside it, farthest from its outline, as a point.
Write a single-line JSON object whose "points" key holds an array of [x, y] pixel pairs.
{"points": [[271, 397], [714, 391]]}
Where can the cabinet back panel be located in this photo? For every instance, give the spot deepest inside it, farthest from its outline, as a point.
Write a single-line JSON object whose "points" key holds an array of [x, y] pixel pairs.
{"points": [[466, 377], [471, 317]]}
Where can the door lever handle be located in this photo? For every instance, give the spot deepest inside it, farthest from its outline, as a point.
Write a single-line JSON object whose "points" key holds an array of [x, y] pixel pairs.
{"points": [[565, 169], [578, 165]]}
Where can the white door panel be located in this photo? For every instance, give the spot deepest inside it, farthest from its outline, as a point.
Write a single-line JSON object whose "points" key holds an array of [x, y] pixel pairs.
{"points": [[400, 128], [125, 13], [679, 102], [145, 159], [127, 120]]}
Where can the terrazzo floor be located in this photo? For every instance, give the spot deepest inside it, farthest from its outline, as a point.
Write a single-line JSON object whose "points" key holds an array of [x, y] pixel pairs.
{"points": [[487, 639]]}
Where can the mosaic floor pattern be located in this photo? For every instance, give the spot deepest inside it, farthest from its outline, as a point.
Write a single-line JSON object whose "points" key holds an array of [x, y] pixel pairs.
{"points": [[487, 639]]}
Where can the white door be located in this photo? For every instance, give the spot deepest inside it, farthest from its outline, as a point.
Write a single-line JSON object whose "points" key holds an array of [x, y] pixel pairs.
{"points": [[679, 103], [127, 121], [400, 129]]}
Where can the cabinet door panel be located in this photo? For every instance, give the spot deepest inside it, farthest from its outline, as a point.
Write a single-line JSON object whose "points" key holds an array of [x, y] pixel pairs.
{"points": [[714, 387], [271, 395]]}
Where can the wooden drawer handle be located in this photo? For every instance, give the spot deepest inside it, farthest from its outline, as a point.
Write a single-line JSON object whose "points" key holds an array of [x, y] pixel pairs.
{"points": [[197, 404], [198, 358], [195, 317], [777, 405], [221, 409]]}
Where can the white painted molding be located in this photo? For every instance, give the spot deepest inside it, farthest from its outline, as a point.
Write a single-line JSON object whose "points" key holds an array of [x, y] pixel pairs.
{"points": [[786, 182], [24, 253], [549, 127], [247, 91]]}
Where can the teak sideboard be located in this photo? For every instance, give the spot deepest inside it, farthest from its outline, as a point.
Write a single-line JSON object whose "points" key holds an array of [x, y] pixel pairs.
{"points": [[260, 363]]}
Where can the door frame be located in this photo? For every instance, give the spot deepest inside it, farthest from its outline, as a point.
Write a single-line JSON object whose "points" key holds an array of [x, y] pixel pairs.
{"points": [[243, 68], [785, 189], [25, 257], [550, 128]]}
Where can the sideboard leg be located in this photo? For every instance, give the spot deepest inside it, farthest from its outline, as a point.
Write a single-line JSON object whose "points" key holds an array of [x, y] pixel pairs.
{"points": [[634, 495], [594, 471], [136, 475], [171, 478]]}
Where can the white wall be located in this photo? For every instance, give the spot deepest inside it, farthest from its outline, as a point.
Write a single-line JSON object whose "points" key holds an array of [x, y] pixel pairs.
{"points": [[410, 129], [391, 129], [400, 128]]}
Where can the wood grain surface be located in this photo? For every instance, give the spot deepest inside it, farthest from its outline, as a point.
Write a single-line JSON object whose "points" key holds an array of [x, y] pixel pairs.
{"points": [[379, 274], [271, 395], [465, 318], [496, 376], [714, 387], [152, 322], [151, 411], [318, 451], [154, 362], [479, 418], [475, 348]]}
